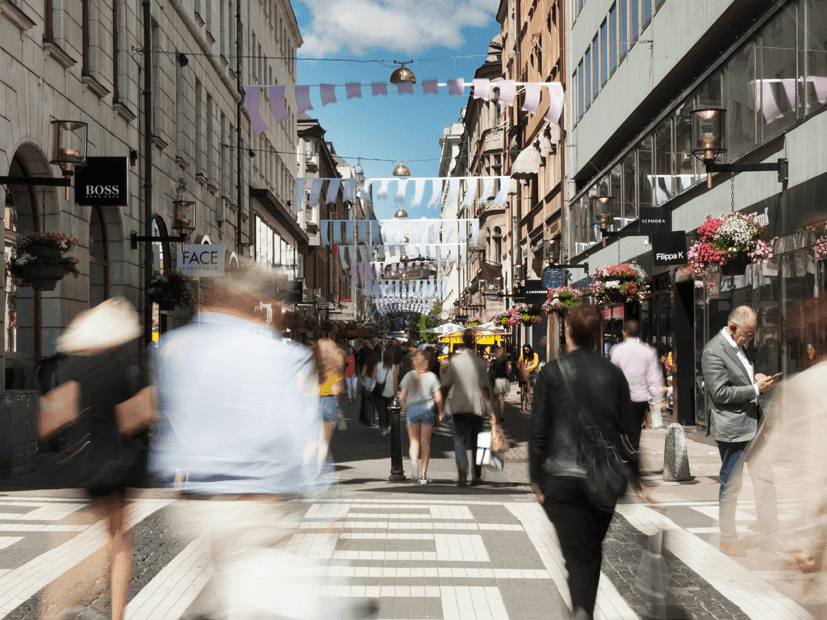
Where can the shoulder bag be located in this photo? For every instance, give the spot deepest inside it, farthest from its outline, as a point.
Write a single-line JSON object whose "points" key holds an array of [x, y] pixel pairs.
{"points": [[379, 388], [607, 471]]}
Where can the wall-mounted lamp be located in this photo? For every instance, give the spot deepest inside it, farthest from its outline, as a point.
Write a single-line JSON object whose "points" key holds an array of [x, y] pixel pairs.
{"points": [[69, 149], [601, 207], [709, 141], [183, 222]]}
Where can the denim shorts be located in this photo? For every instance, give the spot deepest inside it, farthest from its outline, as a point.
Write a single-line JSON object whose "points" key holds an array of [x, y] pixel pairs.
{"points": [[421, 413], [330, 409]]}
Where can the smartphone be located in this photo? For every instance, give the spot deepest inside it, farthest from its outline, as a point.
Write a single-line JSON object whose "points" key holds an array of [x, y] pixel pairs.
{"points": [[776, 376]]}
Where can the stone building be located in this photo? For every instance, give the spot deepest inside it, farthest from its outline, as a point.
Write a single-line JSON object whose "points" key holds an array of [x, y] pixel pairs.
{"points": [[80, 60]]}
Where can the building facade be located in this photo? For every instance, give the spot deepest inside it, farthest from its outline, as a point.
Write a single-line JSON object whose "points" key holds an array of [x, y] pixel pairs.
{"points": [[639, 68]]}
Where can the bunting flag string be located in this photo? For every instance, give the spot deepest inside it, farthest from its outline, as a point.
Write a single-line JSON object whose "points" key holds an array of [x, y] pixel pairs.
{"points": [[404, 289], [420, 233], [481, 89], [383, 191]]}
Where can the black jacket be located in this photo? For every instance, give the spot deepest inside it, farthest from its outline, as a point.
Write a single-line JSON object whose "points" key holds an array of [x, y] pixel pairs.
{"points": [[601, 389]]}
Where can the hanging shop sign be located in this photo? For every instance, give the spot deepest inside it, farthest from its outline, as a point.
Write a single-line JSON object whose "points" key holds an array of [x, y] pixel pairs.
{"points": [[669, 248], [533, 293], [103, 182], [615, 312], [345, 311], [205, 260], [654, 220]]}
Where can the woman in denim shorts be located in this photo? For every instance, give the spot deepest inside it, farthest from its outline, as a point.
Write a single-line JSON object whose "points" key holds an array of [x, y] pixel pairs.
{"points": [[421, 397], [330, 364]]}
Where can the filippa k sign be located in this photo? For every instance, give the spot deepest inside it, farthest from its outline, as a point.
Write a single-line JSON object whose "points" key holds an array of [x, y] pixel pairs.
{"points": [[205, 260], [669, 248]]}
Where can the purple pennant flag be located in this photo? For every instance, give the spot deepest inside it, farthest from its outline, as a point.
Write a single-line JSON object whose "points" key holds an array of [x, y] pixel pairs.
{"points": [[405, 88], [532, 97], [555, 106], [353, 90], [302, 98], [482, 89], [328, 93], [456, 87], [379, 88], [430, 87], [507, 91], [253, 106], [277, 103]]}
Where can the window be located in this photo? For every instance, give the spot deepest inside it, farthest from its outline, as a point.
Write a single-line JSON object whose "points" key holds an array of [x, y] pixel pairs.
{"points": [[580, 94], [588, 77], [615, 191], [644, 172], [222, 35], [613, 45], [659, 2], [233, 159], [604, 67], [98, 259], [624, 20], [84, 19], [663, 185], [777, 77], [199, 131], [634, 19], [209, 17], [210, 154], [814, 41], [224, 154], [180, 103], [157, 90], [740, 102], [595, 66], [629, 188], [252, 53], [647, 12], [685, 176]]}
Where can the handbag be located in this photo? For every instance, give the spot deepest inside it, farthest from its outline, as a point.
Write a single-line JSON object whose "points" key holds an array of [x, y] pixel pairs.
{"points": [[136, 414], [379, 388], [58, 410], [499, 443], [607, 472]]}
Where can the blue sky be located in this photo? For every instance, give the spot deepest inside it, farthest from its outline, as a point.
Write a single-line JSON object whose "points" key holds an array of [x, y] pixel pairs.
{"points": [[400, 127]]}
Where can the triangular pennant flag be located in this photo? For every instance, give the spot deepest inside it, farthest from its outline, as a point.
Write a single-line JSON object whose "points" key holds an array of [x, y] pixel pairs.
{"points": [[405, 88], [349, 231], [482, 89], [555, 106], [254, 107], [349, 195], [430, 87], [507, 91], [448, 231], [382, 194], [453, 191], [298, 196], [324, 230], [379, 88], [315, 190], [328, 92], [532, 97], [277, 106], [302, 94], [487, 188], [354, 270], [419, 192], [364, 195], [332, 191], [475, 232], [462, 236], [375, 233], [337, 231], [436, 195], [342, 260], [470, 193], [401, 188], [353, 90], [502, 194], [351, 254], [456, 87], [363, 231]]}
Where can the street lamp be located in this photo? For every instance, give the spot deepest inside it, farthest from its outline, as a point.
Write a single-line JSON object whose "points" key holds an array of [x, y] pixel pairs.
{"points": [[69, 147], [403, 75], [401, 171], [708, 136], [601, 206], [401, 213], [184, 217]]}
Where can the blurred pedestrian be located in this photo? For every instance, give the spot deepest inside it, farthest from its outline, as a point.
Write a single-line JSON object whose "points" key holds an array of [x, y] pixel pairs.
{"points": [[387, 384], [241, 437], [95, 381], [369, 383], [734, 413], [580, 394], [467, 386], [639, 363], [351, 376], [421, 399], [330, 365], [527, 370], [501, 373], [364, 354]]}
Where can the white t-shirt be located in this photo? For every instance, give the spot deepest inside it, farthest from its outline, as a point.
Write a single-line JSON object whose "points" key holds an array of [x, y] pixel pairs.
{"points": [[385, 375], [420, 387]]}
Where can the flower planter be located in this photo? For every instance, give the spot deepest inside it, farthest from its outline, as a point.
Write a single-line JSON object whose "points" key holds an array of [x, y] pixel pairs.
{"points": [[43, 277], [736, 266], [166, 307], [42, 251]]}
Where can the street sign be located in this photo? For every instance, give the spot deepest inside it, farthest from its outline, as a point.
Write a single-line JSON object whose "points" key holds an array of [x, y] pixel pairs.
{"points": [[201, 260], [533, 293], [669, 248], [654, 220], [553, 277]]}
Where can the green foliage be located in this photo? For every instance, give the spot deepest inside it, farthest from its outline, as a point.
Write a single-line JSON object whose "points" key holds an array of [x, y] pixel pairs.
{"points": [[429, 321]]}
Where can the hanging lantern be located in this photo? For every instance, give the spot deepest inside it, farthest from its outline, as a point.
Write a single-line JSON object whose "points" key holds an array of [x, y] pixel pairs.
{"points": [[184, 216], [401, 171], [69, 147], [401, 213], [403, 75]]}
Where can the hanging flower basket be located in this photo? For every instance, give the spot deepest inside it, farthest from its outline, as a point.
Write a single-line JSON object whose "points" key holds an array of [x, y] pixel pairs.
{"points": [[732, 241], [561, 298], [502, 319], [473, 321], [40, 260], [169, 290], [617, 284], [524, 314]]}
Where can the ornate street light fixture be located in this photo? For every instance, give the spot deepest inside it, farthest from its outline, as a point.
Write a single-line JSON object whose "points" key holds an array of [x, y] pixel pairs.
{"points": [[69, 147], [708, 136], [183, 222], [403, 75], [401, 213], [601, 207], [401, 171]]}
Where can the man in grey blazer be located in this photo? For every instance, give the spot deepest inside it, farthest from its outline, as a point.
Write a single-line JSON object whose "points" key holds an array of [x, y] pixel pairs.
{"points": [[733, 387]]}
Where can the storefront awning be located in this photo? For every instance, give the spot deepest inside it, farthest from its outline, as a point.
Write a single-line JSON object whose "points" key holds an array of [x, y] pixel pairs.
{"points": [[272, 204], [526, 165]]}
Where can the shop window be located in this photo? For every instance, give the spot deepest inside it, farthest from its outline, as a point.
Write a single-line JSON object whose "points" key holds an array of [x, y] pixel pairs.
{"points": [[685, 175], [776, 85], [629, 188], [740, 103], [663, 178], [644, 173], [800, 323], [814, 40], [98, 259], [615, 180]]}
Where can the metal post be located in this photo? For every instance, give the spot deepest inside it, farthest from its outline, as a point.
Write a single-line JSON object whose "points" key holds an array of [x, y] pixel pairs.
{"points": [[397, 472], [147, 168], [238, 117]]}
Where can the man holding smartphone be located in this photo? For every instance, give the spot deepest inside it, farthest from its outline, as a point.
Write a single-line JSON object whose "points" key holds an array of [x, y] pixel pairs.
{"points": [[734, 413]]}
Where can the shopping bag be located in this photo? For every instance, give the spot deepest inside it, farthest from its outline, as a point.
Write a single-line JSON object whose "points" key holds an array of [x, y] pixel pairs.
{"points": [[499, 443], [58, 410], [136, 414], [484, 455]]}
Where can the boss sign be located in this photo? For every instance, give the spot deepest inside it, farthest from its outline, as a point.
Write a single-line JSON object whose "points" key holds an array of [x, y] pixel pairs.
{"points": [[201, 260]]}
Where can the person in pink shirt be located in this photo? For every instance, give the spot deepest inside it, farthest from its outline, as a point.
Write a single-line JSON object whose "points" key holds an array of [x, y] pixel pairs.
{"points": [[350, 374]]}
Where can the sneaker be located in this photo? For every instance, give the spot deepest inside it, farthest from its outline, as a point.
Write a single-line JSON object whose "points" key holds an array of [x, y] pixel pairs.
{"points": [[423, 480]]}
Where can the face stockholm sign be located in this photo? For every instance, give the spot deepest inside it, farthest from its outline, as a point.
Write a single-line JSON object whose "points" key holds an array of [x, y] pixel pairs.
{"points": [[201, 260], [654, 220], [669, 248], [103, 182]]}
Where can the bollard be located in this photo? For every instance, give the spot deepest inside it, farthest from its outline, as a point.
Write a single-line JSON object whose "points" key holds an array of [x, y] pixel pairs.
{"points": [[675, 455], [397, 473]]}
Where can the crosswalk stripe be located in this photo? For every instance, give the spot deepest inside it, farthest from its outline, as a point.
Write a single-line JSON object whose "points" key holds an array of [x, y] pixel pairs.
{"points": [[756, 598]]}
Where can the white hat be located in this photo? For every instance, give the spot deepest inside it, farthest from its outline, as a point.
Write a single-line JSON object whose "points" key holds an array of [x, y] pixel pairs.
{"points": [[106, 326]]}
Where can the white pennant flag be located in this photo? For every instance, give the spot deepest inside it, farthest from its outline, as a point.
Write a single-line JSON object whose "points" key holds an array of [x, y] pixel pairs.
{"points": [[475, 231], [375, 233], [448, 231], [365, 193], [342, 256], [482, 89], [487, 188], [325, 232], [337, 231], [315, 189], [352, 255], [453, 191], [419, 192], [507, 92], [401, 188], [349, 231], [532, 97], [463, 253], [470, 192], [438, 186], [462, 237], [363, 231], [349, 194], [332, 190], [382, 193], [502, 194], [423, 237], [298, 198]]}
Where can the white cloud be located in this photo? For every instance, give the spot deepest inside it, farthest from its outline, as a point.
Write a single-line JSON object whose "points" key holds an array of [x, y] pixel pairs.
{"points": [[407, 26]]}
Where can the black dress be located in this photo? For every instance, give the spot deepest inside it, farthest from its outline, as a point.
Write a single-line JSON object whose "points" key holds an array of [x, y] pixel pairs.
{"points": [[104, 461]]}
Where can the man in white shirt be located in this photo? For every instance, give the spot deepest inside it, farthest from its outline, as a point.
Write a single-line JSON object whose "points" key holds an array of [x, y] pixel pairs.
{"points": [[639, 363], [734, 413]]}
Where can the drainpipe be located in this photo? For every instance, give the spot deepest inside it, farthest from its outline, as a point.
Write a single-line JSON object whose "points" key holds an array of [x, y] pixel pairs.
{"points": [[239, 115], [147, 168]]}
